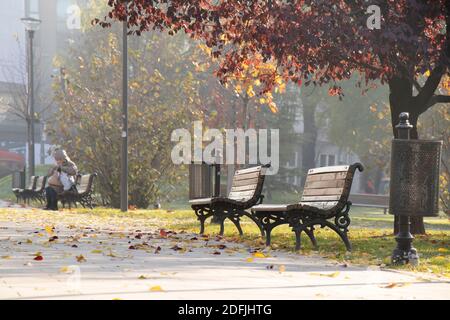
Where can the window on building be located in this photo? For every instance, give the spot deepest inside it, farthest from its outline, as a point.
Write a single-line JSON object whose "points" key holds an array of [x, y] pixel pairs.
{"points": [[331, 159], [327, 160]]}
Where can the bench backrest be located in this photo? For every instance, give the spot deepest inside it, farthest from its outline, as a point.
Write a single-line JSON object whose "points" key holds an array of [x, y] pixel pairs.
{"points": [[326, 187], [380, 200], [85, 183], [40, 183], [32, 184], [247, 184]]}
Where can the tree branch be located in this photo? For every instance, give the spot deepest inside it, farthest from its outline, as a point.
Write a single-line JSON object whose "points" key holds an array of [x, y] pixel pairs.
{"points": [[430, 85], [438, 99]]}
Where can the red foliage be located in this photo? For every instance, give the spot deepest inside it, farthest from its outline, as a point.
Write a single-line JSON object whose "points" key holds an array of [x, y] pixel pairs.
{"points": [[318, 41]]}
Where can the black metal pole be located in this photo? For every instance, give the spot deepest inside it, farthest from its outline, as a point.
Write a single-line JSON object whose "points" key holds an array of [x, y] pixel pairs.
{"points": [[124, 160], [31, 103], [404, 252], [217, 180]]}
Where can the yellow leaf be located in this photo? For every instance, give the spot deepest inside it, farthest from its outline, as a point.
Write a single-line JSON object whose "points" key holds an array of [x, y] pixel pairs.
{"points": [[273, 107], [427, 73], [249, 260], [259, 255], [250, 92], [330, 275], [442, 250], [96, 251], [49, 230], [156, 288], [65, 269], [6, 257]]}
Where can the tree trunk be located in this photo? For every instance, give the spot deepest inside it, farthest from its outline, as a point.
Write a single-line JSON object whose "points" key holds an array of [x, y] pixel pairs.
{"points": [[309, 139], [401, 100]]}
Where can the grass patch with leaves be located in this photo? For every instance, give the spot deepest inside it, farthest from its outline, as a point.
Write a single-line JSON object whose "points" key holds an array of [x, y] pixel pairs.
{"points": [[370, 235]]}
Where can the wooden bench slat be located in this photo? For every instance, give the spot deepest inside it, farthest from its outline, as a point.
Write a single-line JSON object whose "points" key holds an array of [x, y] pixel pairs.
{"points": [[248, 170], [324, 205], [245, 182], [246, 176], [379, 200], [325, 184], [247, 187], [323, 192], [241, 194], [328, 169], [327, 176], [320, 198]]}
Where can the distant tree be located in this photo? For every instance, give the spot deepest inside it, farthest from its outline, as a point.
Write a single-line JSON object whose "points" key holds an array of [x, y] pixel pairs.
{"points": [[163, 96], [17, 104]]}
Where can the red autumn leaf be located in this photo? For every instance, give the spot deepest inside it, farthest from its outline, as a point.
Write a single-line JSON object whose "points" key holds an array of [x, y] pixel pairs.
{"points": [[38, 258], [163, 233]]}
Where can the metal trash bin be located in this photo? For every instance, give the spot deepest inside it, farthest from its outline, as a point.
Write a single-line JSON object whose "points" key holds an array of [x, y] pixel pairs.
{"points": [[414, 181], [414, 186], [204, 180], [18, 180]]}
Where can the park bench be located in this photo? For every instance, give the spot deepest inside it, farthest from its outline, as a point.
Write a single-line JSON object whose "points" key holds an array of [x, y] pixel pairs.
{"points": [[325, 197], [370, 200], [23, 193], [245, 192], [83, 194], [38, 193]]}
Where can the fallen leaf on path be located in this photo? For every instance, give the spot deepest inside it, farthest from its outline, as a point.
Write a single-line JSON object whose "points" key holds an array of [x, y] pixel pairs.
{"points": [[249, 260], [6, 257], [259, 255], [38, 258], [395, 284], [81, 258], [156, 288], [97, 251], [163, 233], [330, 275], [282, 268], [49, 230]]}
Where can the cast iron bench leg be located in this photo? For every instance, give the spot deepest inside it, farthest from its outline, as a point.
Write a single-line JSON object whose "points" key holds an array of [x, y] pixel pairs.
{"points": [[298, 239], [310, 233]]}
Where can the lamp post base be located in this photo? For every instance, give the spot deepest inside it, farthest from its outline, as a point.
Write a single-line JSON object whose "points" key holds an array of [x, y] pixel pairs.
{"points": [[404, 252], [401, 257]]}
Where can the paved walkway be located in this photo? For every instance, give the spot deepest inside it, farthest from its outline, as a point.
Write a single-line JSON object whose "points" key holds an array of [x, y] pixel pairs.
{"points": [[65, 256]]}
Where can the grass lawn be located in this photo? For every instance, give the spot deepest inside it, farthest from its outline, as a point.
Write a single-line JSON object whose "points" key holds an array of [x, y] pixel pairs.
{"points": [[370, 235]]}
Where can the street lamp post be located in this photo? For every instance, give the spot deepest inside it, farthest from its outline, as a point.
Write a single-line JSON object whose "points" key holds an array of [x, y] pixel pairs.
{"points": [[124, 160], [31, 25]]}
